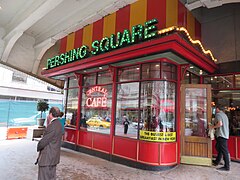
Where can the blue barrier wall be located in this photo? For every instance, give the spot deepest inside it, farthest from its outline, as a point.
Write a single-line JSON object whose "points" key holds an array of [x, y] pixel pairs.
{"points": [[13, 113]]}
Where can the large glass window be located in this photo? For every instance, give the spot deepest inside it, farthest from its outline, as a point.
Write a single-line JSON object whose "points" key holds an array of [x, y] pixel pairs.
{"points": [[190, 78], [72, 102], [129, 74], [196, 112], [158, 106], [96, 105], [237, 80], [230, 99], [169, 71], [220, 82], [127, 109], [104, 77], [146, 108], [89, 79], [73, 82], [151, 70]]}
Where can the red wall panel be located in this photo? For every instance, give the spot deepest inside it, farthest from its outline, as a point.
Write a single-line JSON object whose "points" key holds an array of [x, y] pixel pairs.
{"points": [[214, 151], [70, 135], [101, 142], [238, 148], [156, 9], [168, 153], [149, 152], [85, 138], [125, 147], [232, 146]]}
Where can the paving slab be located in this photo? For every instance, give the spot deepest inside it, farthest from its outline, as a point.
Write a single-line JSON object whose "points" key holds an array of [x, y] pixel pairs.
{"points": [[17, 159]]}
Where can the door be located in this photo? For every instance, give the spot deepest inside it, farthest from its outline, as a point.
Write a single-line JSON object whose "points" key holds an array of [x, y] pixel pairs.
{"points": [[196, 146]]}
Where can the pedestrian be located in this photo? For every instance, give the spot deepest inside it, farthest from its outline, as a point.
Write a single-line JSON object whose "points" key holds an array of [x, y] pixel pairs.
{"points": [[49, 147], [125, 124], [62, 119], [222, 136]]}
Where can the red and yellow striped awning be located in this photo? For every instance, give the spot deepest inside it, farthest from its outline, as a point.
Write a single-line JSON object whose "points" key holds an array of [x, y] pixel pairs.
{"points": [[168, 12]]}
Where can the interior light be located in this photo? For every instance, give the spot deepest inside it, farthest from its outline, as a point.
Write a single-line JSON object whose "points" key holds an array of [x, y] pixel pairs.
{"points": [[100, 67], [137, 68], [157, 65], [191, 67], [200, 72]]}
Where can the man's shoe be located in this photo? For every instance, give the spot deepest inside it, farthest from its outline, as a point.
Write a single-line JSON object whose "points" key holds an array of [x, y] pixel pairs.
{"points": [[223, 169], [214, 163]]}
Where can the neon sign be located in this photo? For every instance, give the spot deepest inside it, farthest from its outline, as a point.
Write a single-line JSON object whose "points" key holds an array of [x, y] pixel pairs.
{"points": [[96, 101], [139, 33]]}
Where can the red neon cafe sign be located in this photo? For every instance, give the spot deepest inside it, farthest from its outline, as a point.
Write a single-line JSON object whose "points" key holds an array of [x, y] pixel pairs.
{"points": [[98, 101]]}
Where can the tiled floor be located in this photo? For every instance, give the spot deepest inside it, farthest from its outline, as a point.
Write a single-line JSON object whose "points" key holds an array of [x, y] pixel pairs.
{"points": [[17, 159]]}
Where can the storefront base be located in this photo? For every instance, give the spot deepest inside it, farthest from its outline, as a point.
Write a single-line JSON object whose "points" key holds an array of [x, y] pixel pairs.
{"points": [[116, 159]]}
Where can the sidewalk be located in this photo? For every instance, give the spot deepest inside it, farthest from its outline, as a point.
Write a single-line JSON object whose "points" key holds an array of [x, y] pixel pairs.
{"points": [[18, 157]]}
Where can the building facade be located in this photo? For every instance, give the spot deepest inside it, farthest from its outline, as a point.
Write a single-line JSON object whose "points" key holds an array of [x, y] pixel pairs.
{"points": [[138, 87]]}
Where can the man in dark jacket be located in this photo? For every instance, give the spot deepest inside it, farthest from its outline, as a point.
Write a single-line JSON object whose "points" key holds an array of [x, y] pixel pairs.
{"points": [[49, 147]]}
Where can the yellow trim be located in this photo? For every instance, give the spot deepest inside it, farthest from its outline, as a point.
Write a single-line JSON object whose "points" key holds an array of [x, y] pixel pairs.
{"points": [[100, 150], [87, 35], [191, 24], [196, 160], [70, 42], [109, 25], [138, 13], [171, 13]]}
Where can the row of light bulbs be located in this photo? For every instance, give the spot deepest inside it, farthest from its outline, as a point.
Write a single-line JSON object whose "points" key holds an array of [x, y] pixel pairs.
{"points": [[182, 29]]}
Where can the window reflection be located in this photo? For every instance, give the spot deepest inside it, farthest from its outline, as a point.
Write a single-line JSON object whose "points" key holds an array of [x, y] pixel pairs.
{"points": [[230, 99], [195, 112], [96, 108], [149, 115], [89, 79], [237, 80], [73, 82], [129, 74], [127, 109], [71, 109], [151, 70], [219, 82], [169, 71], [158, 106]]}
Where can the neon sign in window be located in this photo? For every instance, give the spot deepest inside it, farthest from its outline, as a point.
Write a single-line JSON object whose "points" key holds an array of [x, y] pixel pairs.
{"points": [[96, 97]]}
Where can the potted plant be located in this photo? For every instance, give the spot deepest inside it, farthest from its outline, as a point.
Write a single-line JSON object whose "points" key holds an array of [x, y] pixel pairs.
{"points": [[42, 106]]}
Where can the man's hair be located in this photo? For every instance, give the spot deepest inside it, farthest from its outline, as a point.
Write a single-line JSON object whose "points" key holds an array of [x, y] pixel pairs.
{"points": [[220, 107], [61, 114], [55, 111]]}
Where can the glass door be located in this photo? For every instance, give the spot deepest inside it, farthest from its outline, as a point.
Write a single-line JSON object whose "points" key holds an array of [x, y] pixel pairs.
{"points": [[196, 146]]}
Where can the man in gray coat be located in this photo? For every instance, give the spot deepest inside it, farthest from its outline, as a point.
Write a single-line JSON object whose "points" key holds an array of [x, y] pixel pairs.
{"points": [[49, 147]]}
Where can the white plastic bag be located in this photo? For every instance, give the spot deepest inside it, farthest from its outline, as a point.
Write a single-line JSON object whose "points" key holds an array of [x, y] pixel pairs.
{"points": [[211, 133]]}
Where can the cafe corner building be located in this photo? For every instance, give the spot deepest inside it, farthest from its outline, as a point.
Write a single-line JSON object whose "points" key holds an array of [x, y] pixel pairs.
{"points": [[138, 87]]}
